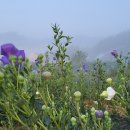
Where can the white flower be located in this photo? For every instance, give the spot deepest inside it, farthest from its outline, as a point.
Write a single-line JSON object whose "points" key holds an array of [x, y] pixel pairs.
{"points": [[110, 93], [32, 57]]}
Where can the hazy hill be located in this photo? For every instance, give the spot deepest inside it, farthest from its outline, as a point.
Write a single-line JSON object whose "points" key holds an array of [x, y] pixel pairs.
{"points": [[93, 47], [28, 44], [119, 42]]}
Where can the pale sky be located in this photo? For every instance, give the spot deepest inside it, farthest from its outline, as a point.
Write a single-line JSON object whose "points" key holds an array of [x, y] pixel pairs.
{"points": [[78, 18], [94, 18]]}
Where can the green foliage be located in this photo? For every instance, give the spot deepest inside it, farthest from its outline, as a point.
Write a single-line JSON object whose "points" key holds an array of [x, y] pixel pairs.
{"points": [[49, 95]]}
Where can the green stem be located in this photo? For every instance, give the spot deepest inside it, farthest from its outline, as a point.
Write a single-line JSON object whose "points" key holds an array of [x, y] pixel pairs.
{"points": [[17, 76], [77, 108], [42, 125]]}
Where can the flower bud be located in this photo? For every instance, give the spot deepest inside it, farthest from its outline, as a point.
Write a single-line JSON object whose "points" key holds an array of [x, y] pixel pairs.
{"points": [[109, 80], [93, 111], [73, 121], [20, 59], [13, 59], [77, 96], [46, 75], [20, 78], [44, 107], [40, 56], [104, 94], [48, 108], [109, 122], [106, 113], [83, 118], [37, 93], [123, 78], [99, 113]]}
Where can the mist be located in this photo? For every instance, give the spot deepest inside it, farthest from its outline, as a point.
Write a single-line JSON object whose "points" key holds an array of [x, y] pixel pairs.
{"points": [[97, 27]]}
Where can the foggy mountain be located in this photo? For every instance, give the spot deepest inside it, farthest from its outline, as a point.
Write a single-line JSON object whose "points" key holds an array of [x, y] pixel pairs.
{"points": [[22, 42], [93, 47], [119, 42], [102, 47]]}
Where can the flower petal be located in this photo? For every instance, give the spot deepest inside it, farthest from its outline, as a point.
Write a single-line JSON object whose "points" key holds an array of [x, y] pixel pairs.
{"points": [[8, 49], [114, 53], [99, 113], [21, 53], [33, 57], [108, 98], [111, 92], [84, 66], [5, 60]]}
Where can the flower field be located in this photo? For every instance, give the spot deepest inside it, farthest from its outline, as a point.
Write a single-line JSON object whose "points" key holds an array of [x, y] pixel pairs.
{"points": [[44, 94]]}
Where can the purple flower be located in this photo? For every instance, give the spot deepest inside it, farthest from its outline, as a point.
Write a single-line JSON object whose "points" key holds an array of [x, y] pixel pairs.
{"points": [[99, 113], [114, 53], [5, 60], [84, 66], [54, 58], [8, 50]]}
